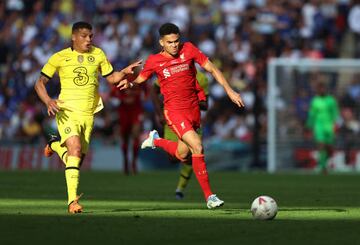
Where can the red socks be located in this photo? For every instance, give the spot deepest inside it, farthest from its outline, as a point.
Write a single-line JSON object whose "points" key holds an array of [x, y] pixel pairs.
{"points": [[198, 163], [199, 168], [167, 145]]}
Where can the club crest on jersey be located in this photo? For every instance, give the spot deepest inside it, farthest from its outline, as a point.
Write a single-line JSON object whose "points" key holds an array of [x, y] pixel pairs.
{"points": [[80, 58], [67, 130], [91, 58], [182, 124], [182, 57]]}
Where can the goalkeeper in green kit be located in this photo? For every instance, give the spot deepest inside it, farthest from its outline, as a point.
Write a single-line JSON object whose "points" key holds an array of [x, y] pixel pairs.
{"points": [[322, 116]]}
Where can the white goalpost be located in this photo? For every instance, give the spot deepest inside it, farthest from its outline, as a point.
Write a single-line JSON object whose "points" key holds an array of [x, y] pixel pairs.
{"points": [[287, 79]]}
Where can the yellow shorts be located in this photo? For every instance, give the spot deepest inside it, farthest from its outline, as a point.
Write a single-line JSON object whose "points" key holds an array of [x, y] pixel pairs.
{"points": [[71, 124]]}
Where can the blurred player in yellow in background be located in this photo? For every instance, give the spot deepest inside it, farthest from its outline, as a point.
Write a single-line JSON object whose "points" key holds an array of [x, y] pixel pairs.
{"points": [[185, 168], [78, 67]]}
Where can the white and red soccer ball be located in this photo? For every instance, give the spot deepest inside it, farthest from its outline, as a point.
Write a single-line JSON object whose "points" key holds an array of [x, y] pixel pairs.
{"points": [[264, 208]]}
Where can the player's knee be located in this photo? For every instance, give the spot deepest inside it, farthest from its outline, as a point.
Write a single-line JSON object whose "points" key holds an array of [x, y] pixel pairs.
{"points": [[198, 149], [75, 151], [181, 155]]}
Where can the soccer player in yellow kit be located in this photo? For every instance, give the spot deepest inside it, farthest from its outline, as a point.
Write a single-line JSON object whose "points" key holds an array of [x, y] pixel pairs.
{"points": [[78, 67]]}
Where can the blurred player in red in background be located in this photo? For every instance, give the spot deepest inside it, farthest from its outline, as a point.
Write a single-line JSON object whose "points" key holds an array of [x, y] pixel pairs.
{"points": [[176, 72], [130, 112]]}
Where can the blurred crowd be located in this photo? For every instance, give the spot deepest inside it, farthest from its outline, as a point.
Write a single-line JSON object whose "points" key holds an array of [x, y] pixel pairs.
{"points": [[240, 36]]}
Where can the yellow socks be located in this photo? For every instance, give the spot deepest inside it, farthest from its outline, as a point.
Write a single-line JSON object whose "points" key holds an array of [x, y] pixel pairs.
{"points": [[185, 174], [60, 150], [72, 175]]}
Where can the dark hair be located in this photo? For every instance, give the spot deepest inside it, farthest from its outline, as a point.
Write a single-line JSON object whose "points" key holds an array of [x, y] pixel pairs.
{"points": [[168, 28], [81, 25]]}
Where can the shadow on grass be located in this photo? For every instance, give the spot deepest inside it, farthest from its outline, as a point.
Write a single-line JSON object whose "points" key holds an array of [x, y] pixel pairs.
{"points": [[138, 229], [313, 209], [226, 211]]}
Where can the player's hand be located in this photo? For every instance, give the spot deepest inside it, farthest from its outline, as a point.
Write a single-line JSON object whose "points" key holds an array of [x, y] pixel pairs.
{"points": [[130, 68], [236, 98], [124, 84], [52, 107]]}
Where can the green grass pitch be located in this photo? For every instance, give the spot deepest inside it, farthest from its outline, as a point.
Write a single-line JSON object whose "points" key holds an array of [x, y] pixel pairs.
{"points": [[313, 209]]}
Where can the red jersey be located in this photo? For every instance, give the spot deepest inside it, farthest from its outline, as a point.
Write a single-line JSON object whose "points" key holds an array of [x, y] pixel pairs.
{"points": [[177, 76]]}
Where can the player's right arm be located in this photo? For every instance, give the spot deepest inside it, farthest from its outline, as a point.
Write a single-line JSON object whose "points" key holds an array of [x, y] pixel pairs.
{"points": [[124, 84], [142, 77], [51, 104], [117, 76], [47, 72]]}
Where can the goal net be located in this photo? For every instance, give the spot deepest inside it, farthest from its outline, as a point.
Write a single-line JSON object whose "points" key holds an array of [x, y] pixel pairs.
{"points": [[291, 85]]}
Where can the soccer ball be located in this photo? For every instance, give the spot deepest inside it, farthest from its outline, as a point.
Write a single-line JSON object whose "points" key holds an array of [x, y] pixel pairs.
{"points": [[264, 208]]}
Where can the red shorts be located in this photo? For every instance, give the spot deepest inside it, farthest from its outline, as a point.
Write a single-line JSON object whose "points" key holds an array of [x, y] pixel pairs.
{"points": [[181, 121], [129, 118]]}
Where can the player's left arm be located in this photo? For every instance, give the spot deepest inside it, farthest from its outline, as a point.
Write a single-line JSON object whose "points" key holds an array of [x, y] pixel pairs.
{"points": [[117, 76], [219, 77], [145, 73], [124, 84]]}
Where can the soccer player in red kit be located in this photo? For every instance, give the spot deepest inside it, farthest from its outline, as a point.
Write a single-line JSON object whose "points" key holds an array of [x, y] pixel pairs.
{"points": [[176, 72], [131, 116]]}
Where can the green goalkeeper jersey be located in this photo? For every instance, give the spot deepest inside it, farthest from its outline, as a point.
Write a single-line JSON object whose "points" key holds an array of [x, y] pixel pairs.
{"points": [[323, 113], [323, 110]]}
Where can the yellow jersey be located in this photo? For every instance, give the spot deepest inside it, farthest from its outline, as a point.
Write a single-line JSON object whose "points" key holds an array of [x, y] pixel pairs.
{"points": [[78, 74]]}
